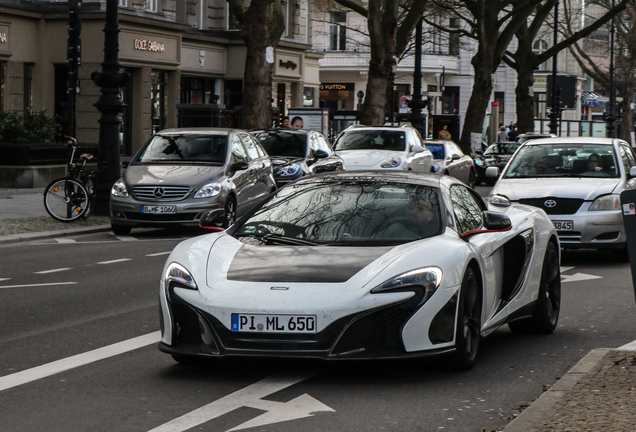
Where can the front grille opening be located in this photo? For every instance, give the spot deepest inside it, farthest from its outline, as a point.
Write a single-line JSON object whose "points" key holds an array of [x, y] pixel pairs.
{"points": [[555, 206], [186, 323], [608, 236]]}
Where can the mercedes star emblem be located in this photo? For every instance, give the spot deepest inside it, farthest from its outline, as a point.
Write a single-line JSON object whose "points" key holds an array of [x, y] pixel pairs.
{"points": [[158, 192]]}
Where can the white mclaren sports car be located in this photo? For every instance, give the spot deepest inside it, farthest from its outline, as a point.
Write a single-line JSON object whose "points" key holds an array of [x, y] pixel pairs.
{"points": [[359, 266]]}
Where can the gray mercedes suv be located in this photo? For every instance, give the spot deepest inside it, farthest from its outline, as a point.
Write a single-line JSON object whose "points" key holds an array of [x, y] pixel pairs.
{"points": [[181, 173]]}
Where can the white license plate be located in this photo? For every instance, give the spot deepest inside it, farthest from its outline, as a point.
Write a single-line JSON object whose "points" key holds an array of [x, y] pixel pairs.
{"points": [[159, 209], [562, 225], [273, 323]]}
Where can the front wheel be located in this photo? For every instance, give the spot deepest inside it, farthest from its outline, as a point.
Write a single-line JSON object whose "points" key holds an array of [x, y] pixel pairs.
{"points": [[65, 200], [468, 333], [230, 212]]}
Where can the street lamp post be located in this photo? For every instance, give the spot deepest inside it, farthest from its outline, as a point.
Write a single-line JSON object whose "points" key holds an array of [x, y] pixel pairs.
{"points": [[611, 118], [110, 105], [554, 109], [417, 104]]}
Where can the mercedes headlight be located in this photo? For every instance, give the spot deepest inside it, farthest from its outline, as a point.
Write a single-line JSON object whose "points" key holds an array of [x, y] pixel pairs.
{"points": [[178, 274], [119, 189], [208, 191], [606, 202], [392, 163], [289, 171], [428, 277]]}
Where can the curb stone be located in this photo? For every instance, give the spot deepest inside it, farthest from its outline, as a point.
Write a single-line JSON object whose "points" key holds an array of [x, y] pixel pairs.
{"points": [[27, 237]]}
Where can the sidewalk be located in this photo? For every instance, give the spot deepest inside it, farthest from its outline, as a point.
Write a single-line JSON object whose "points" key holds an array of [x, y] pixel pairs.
{"points": [[597, 395], [23, 218]]}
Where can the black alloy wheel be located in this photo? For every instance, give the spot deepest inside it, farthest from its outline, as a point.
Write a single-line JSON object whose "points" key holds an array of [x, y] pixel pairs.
{"points": [[230, 212], [468, 332], [546, 314]]}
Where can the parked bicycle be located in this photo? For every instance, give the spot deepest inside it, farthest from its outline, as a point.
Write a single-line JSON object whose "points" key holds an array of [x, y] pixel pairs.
{"points": [[69, 198]]}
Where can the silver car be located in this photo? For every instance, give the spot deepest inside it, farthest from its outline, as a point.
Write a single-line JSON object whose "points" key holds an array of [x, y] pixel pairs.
{"points": [[182, 173], [450, 160], [577, 182]]}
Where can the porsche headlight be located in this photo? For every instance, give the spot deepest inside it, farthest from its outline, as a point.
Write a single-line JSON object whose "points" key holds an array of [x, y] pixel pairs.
{"points": [[498, 200], [178, 273], [392, 163], [606, 202], [119, 189], [428, 277], [289, 171], [208, 191]]}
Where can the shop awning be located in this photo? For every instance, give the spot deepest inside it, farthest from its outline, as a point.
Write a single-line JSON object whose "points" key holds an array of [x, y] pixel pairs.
{"points": [[593, 99]]}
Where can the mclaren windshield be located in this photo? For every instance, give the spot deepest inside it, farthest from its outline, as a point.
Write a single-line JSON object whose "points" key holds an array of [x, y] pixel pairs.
{"points": [[345, 213]]}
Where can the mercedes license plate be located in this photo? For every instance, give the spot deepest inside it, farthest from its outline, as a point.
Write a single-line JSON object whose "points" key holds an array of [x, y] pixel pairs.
{"points": [[159, 209], [562, 225], [273, 323]]}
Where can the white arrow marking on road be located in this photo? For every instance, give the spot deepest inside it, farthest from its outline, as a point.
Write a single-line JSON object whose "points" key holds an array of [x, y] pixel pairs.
{"points": [[158, 254], [115, 261], [124, 237], [39, 372], [52, 271], [38, 285], [65, 240], [302, 406], [578, 277], [564, 269]]}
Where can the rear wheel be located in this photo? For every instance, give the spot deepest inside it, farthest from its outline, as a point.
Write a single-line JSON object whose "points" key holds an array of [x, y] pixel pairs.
{"points": [[468, 331], [546, 314], [89, 185], [65, 199], [230, 212]]}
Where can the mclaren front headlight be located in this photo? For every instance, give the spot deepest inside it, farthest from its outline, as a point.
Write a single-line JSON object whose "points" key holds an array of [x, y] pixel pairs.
{"points": [[176, 273], [606, 202], [427, 277]]}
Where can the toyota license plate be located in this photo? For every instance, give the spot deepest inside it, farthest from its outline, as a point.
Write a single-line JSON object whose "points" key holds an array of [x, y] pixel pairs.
{"points": [[159, 209], [273, 323], [562, 225]]}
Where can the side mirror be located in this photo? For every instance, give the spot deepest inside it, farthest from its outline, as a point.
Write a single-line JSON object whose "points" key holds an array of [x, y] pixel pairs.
{"points": [[239, 166], [124, 164], [416, 148], [320, 154], [495, 221], [455, 156], [211, 219], [632, 171], [492, 172]]}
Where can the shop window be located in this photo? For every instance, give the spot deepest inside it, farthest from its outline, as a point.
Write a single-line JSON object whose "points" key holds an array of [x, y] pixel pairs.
{"points": [[158, 100], [233, 95], [338, 31], [450, 100], [290, 12], [453, 38], [198, 91], [232, 22], [122, 3], [539, 47], [28, 86], [540, 105]]}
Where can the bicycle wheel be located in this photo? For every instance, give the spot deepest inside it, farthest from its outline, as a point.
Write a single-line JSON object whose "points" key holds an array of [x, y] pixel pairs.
{"points": [[89, 185], [65, 199]]}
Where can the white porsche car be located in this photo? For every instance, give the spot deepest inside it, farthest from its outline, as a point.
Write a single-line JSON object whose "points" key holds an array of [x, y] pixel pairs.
{"points": [[371, 265], [383, 148]]}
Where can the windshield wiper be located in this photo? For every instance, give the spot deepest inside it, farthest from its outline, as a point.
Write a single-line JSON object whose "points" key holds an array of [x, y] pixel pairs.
{"points": [[278, 238]]}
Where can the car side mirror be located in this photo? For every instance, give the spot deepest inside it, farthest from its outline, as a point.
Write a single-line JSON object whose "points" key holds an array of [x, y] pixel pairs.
{"points": [[455, 156], [125, 163], [495, 221], [320, 154], [492, 172], [632, 171], [239, 166], [416, 148], [212, 219]]}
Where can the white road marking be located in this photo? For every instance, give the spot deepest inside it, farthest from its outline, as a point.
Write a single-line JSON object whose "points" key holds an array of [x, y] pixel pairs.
{"points": [[38, 285], [65, 240], [158, 254], [124, 237], [251, 396], [578, 277], [53, 270], [564, 269], [115, 261], [39, 372], [4, 279], [628, 347]]}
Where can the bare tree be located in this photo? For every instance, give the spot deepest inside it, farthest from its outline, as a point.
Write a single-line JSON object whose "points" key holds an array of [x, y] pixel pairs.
{"points": [[390, 24], [625, 52], [525, 61], [263, 24]]}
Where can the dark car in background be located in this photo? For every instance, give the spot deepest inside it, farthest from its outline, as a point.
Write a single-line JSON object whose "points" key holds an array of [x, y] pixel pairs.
{"points": [[179, 174], [496, 155], [296, 153]]}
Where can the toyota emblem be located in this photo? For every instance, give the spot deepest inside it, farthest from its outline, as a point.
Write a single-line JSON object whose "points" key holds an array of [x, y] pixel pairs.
{"points": [[550, 203], [158, 192]]}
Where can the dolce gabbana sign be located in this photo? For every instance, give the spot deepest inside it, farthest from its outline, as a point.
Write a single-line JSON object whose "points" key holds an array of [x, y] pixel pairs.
{"points": [[149, 45]]}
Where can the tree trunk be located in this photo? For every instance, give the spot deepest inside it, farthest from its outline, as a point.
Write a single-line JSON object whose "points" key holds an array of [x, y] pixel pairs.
{"points": [[478, 103], [378, 93], [525, 79]]}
